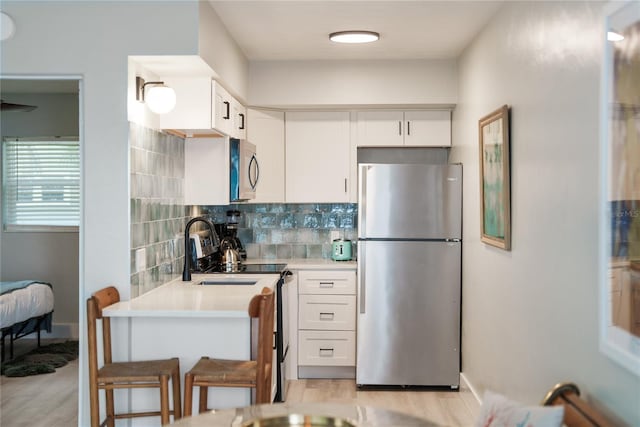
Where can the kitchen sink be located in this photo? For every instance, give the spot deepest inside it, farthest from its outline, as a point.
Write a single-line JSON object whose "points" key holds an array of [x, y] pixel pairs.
{"points": [[231, 282]]}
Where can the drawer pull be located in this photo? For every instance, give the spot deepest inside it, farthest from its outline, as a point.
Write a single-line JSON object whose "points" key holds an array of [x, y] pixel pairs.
{"points": [[326, 284], [327, 316], [326, 352]]}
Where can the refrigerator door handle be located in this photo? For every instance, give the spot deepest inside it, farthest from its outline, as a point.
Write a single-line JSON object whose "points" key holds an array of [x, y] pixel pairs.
{"points": [[362, 199], [361, 277]]}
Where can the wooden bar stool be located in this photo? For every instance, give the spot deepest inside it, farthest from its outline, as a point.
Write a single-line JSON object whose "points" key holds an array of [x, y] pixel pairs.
{"points": [[238, 373], [117, 375]]}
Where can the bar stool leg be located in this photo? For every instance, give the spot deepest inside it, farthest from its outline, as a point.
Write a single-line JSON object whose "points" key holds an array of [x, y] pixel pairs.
{"points": [[188, 394], [164, 400], [204, 393]]}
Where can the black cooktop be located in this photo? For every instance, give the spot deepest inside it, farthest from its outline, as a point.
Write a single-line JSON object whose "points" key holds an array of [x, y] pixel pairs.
{"points": [[249, 269]]}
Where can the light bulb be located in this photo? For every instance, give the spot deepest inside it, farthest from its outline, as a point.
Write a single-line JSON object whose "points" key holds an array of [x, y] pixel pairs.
{"points": [[160, 99]]}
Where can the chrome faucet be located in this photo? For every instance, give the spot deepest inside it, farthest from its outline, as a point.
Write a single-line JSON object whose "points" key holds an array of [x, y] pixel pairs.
{"points": [[186, 273]]}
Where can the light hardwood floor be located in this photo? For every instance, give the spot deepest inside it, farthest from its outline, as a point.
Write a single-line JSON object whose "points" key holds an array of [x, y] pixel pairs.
{"points": [[51, 400], [48, 400], [447, 408]]}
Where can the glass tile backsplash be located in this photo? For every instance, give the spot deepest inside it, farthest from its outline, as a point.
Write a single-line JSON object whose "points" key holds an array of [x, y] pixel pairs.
{"points": [[279, 230], [158, 214]]}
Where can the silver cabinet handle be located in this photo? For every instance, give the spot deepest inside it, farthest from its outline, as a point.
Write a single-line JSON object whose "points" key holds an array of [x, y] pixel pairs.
{"points": [[399, 127], [326, 284], [327, 316], [325, 352]]}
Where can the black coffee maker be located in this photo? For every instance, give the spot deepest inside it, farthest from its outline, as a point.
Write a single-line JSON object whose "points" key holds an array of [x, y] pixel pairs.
{"points": [[229, 232]]}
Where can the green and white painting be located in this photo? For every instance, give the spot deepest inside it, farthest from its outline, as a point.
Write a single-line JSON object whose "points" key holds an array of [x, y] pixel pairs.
{"points": [[494, 178]]}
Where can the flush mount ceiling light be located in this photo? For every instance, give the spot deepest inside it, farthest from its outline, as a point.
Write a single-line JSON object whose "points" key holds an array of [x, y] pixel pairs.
{"points": [[612, 36], [160, 98], [354, 36]]}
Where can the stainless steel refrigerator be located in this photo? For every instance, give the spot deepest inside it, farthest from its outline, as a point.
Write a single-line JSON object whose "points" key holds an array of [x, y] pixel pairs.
{"points": [[409, 274]]}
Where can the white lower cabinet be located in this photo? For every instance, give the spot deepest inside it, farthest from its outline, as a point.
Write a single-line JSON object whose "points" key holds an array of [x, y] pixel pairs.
{"points": [[326, 323], [327, 348]]}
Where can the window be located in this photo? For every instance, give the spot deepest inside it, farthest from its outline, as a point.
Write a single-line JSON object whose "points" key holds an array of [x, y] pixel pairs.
{"points": [[41, 183]]}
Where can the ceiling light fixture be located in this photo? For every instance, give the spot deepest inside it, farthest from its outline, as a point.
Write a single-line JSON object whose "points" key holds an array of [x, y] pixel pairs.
{"points": [[612, 36], [160, 98], [354, 36]]}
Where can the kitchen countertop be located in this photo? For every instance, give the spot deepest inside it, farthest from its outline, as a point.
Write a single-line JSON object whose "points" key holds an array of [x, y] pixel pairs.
{"points": [[187, 299], [307, 263]]}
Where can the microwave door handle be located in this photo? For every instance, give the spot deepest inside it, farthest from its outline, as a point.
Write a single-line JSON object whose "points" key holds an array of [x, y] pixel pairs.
{"points": [[254, 161]]}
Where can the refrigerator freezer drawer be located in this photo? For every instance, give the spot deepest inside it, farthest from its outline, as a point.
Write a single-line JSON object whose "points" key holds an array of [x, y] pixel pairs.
{"points": [[409, 313], [327, 312], [327, 282], [327, 348]]}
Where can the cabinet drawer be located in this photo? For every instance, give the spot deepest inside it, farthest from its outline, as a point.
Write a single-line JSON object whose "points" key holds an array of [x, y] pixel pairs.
{"points": [[327, 282], [327, 312], [327, 348]]}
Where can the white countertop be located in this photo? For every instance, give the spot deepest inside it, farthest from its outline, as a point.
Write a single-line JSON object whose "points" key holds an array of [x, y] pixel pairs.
{"points": [[307, 263], [188, 299]]}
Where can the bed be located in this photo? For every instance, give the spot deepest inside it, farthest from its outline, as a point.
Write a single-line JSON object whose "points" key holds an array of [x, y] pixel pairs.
{"points": [[26, 307]]}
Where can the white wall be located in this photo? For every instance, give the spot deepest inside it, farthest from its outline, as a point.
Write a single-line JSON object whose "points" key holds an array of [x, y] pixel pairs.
{"points": [[530, 316], [47, 256], [222, 53], [326, 83], [93, 40]]}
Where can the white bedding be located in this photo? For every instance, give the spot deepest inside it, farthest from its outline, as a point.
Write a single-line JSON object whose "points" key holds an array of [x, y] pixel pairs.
{"points": [[22, 304]]}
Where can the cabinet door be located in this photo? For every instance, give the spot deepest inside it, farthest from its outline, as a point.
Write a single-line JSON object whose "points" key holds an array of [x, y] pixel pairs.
{"points": [[380, 128], [193, 104], [206, 175], [428, 128], [239, 120], [327, 282], [327, 312], [222, 111], [266, 132], [317, 157]]}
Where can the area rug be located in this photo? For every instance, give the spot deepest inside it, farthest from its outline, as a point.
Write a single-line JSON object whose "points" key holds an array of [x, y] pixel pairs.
{"points": [[41, 360]]}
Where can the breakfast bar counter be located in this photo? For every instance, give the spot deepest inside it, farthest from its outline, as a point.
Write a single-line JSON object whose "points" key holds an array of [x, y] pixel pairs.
{"points": [[189, 320], [192, 299]]}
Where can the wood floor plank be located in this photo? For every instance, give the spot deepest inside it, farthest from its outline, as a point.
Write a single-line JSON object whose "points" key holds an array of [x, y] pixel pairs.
{"points": [[447, 408]]}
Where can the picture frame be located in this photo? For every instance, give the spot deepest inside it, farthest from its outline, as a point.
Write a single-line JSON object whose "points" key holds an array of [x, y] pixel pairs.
{"points": [[619, 203], [495, 179]]}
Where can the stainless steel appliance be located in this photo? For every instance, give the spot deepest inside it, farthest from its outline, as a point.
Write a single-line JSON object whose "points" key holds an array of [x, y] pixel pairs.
{"points": [[244, 170], [409, 274]]}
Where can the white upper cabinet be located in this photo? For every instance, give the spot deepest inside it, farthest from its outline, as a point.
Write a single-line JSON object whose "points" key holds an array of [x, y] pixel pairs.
{"points": [[317, 157], [428, 128], [193, 104], [206, 175], [222, 115], [267, 134], [239, 120], [203, 107]]}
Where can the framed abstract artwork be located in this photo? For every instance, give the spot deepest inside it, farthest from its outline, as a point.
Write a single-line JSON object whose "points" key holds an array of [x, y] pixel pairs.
{"points": [[495, 178], [619, 210]]}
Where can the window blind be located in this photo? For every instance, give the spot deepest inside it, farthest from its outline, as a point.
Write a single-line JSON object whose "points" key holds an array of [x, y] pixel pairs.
{"points": [[41, 182]]}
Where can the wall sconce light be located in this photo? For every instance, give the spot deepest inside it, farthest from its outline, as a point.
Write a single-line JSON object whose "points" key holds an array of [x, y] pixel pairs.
{"points": [[160, 98]]}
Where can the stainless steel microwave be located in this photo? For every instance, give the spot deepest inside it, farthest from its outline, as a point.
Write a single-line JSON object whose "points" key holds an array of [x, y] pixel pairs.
{"points": [[244, 170]]}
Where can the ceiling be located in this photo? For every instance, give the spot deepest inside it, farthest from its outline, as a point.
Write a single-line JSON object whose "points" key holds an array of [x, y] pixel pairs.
{"points": [[298, 29]]}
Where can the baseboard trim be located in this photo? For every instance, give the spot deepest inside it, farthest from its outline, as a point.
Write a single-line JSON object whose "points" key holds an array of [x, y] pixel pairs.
{"points": [[58, 331], [470, 386], [312, 372]]}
